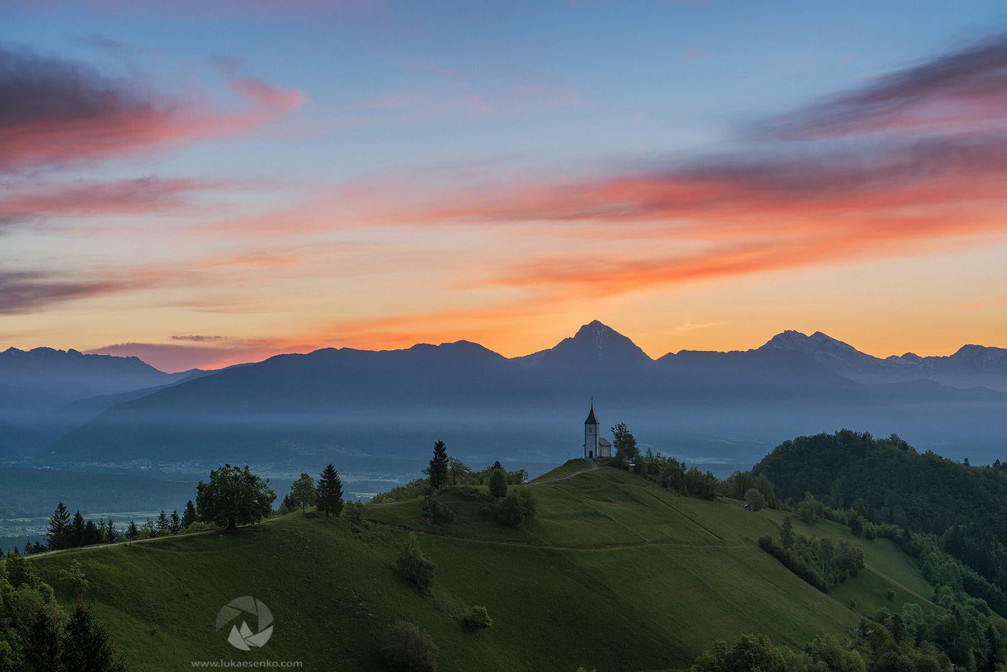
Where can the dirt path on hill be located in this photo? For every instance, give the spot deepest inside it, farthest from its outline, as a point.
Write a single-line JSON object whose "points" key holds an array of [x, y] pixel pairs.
{"points": [[594, 465], [120, 544]]}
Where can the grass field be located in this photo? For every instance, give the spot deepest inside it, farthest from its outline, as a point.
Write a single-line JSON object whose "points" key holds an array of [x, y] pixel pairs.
{"points": [[614, 573]]}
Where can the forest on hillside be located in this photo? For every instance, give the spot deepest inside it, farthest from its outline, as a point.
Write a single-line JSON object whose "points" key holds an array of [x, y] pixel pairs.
{"points": [[888, 484]]}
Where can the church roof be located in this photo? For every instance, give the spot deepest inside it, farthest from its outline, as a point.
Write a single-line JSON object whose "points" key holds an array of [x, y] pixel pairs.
{"points": [[604, 443], [591, 420]]}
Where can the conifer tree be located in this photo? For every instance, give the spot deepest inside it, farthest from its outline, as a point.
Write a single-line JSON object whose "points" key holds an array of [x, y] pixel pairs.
{"points": [[77, 530], [330, 492], [42, 643], [91, 534], [439, 466], [111, 535], [175, 523], [132, 531], [87, 646], [59, 524], [189, 515], [163, 524]]}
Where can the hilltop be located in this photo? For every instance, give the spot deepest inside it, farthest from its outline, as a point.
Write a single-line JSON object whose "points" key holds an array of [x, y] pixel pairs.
{"points": [[613, 572]]}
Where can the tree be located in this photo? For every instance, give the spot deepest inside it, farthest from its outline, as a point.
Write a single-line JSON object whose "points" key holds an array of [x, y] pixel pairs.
{"points": [[87, 646], [810, 510], [498, 483], [189, 515], [457, 471], [77, 530], [233, 497], [409, 648], [329, 493], [624, 442], [41, 642], [163, 524], [59, 525], [174, 522], [111, 535], [132, 531], [787, 533], [755, 499], [74, 579], [439, 466], [92, 535], [302, 492]]}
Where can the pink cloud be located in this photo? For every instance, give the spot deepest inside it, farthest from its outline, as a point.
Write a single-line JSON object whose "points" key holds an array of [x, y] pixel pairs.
{"points": [[54, 111]]}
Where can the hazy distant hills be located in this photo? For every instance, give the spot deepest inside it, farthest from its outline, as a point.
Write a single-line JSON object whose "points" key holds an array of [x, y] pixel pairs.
{"points": [[46, 392], [970, 366], [381, 411]]}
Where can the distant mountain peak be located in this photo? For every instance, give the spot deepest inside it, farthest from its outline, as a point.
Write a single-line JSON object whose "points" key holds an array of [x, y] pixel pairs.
{"points": [[787, 340], [820, 347], [595, 342]]}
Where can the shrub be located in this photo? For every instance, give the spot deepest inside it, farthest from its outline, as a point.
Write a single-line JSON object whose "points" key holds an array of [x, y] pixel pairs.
{"points": [[517, 507], [478, 619], [355, 514], [498, 483], [415, 566], [409, 648], [435, 511], [890, 594], [756, 500]]}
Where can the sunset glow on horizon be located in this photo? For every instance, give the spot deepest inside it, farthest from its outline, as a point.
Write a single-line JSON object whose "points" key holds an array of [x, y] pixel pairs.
{"points": [[205, 184]]}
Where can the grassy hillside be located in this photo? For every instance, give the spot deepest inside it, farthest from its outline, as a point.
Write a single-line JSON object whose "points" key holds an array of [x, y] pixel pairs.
{"points": [[613, 573]]}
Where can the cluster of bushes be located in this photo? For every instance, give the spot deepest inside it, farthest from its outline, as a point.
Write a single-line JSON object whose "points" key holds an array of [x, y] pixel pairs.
{"points": [[409, 648], [674, 475], [514, 509], [820, 562], [667, 471], [963, 636], [435, 511], [414, 565]]}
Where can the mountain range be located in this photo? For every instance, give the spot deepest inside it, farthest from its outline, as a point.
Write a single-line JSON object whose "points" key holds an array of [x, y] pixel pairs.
{"points": [[379, 411]]}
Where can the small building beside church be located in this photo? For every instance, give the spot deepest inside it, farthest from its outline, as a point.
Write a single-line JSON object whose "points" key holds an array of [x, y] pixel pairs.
{"points": [[594, 444]]}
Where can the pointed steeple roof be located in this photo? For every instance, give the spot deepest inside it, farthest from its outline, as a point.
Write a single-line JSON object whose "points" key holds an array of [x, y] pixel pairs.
{"points": [[591, 420]]}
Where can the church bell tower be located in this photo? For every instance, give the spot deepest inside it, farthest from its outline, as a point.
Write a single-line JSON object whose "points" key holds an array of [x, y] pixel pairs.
{"points": [[591, 434]]}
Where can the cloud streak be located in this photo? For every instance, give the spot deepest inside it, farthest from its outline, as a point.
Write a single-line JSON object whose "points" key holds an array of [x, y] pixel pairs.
{"points": [[83, 199], [54, 111], [213, 353], [965, 88], [27, 291]]}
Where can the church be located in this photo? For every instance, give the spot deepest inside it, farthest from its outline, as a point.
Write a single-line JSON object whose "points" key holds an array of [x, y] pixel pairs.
{"points": [[594, 444]]}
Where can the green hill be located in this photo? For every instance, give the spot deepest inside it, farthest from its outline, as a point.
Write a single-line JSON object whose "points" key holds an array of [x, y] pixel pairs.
{"points": [[613, 572]]}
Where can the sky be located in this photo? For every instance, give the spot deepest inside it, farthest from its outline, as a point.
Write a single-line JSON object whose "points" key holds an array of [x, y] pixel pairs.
{"points": [[201, 183]]}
